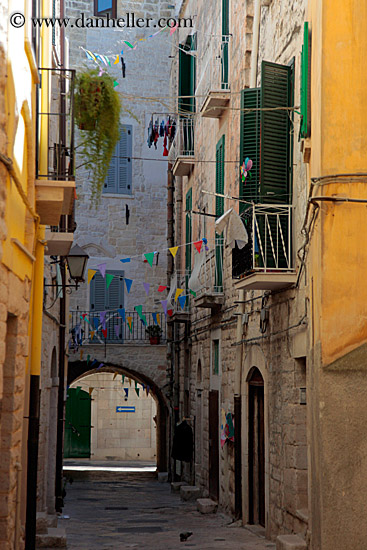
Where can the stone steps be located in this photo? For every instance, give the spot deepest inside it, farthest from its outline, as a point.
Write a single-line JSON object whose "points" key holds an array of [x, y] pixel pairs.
{"points": [[290, 542]]}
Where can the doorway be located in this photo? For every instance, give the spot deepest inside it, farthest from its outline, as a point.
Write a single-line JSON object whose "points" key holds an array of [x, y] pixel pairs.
{"points": [[214, 445], [77, 424], [256, 449]]}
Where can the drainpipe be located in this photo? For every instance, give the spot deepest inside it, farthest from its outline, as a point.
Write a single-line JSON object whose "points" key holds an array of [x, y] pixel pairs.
{"points": [[34, 397], [241, 299], [170, 267]]}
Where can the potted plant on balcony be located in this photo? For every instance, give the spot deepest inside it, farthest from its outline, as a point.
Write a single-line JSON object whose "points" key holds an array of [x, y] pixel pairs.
{"points": [[154, 332], [97, 108]]}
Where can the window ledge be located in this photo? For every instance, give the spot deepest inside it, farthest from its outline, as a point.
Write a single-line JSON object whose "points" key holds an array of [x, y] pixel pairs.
{"points": [[117, 196]]}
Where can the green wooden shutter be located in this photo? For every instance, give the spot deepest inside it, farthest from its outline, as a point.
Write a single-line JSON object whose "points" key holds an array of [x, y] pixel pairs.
{"points": [[187, 76], [305, 128], [97, 293], [124, 172], [115, 292], [188, 230], [219, 210], [225, 45], [250, 144], [275, 168]]}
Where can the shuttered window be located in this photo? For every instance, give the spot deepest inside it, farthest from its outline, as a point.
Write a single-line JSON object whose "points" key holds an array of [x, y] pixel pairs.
{"points": [[188, 231], [305, 129], [219, 210], [265, 137], [101, 298], [187, 75], [119, 177], [225, 44]]}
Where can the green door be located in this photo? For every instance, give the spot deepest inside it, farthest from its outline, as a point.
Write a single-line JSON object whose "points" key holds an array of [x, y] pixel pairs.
{"points": [[77, 424]]}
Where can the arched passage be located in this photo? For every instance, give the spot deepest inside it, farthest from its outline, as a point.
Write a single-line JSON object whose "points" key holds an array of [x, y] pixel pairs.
{"points": [[80, 369]]}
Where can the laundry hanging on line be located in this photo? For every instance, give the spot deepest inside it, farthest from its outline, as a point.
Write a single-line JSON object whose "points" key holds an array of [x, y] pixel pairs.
{"points": [[165, 129]]}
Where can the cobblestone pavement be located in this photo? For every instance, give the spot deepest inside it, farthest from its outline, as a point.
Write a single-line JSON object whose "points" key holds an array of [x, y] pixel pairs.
{"points": [[136, 511]]}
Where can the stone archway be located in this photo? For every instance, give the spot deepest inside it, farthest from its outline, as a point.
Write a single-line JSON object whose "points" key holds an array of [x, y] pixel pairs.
{"points": [[80, 369]]}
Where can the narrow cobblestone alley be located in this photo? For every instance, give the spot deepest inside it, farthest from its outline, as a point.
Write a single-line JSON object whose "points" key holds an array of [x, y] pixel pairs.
{"points": [[138, 512]]}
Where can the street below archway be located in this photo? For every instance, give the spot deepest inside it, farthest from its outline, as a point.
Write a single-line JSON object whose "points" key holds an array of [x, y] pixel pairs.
{"points": [[136, 511]]}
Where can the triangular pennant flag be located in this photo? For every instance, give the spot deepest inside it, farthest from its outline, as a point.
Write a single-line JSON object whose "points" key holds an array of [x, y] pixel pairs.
{"points": [[158, 319], [83, 316], [129, 380], [170, 312], [179, 291], [154, 315], [109, 278], [136, 384], [125, 260], [102, 269], [137, 391], [117, 60], [128, 283], [96, 323], [94, 363], [182, 301], [193, 293], [128, 44], [144, 319], [104, 332], [198, 245], [122, 314], [139, 310], [100, 366], [126, 390], [173, 250], [81, 354], [146, 288], [91, 273], [143, 386], [149, 257], [148, 389], [117, 331], [92, 333], [161, 288], [164, 305], [115, 376], [102, 316], [115, 83], [130, 323], [91, 391], [123, 378], [88, 359]]}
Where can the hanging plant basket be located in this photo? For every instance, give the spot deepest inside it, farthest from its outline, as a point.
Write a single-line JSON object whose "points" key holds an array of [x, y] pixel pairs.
{"points": [[97, 115]]}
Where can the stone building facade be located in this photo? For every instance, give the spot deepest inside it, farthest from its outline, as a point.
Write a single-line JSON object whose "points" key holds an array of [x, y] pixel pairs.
{"points": [[133, 222], [240, 351]]}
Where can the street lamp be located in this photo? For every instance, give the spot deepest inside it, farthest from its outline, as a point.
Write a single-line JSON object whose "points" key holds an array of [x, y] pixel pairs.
{"points": [[77, 262]]}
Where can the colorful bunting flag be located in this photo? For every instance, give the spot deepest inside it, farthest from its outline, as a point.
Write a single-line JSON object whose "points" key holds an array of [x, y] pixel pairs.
{"points": [[179, 291], [158, 319], [123, 378], [193, 293], [115, 376], [125, 260], [149, 257], [122, 314], [161, 288], [170, 312], [164, 305], [148, 389], [182, 301], [198, 246], [109, 278], [115, 83], [83, 316], [130, 323], [104, 332], [92, 333], [173, 29], [91, 391], [126, 390], [128, 283], [88, 359], [102, 316], [94, 362], [137, 391], [96, 323], [81, 354], [116, 60], [100, 366], [128, 44], [102, 269], [91, 273], [117, 331], [173, 250], [154, 315], [146, 288]]}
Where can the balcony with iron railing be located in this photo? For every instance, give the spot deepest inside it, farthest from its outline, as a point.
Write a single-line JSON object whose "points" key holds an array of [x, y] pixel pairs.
{"points": [[266, 262], [206, 279], [182, 305], [60, 237], [87, 327], [213, 89], [55, 154], [182, 151]]}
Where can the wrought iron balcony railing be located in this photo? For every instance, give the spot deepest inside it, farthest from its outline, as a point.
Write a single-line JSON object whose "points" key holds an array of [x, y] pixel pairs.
{"points": [[269, 249], [206, 279], [86, 328], [55, 159], [184, 143]]}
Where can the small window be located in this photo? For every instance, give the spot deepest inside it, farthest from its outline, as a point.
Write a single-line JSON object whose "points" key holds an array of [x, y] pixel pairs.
{"points": [[119, 176], [215, 358], [104, 7]]}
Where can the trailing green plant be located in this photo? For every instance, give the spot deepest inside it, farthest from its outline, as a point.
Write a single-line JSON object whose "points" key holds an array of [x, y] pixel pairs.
{"points": [[97, 113], [153, 331]]}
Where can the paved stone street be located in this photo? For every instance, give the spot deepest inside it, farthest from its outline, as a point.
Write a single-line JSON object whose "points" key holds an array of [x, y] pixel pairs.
{"points": [[138, 512]]}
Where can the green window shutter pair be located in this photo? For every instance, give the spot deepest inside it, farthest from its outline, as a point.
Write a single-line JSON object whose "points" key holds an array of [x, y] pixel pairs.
{"points": [[101, 298], [265, 137], [187, 75], [219, 210], [305, 129], [225, 45], [119, 177], [188, 230]]}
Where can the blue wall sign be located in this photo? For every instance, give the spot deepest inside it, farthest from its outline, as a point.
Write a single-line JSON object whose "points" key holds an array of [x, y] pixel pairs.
{"points": [[123, 409]]}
